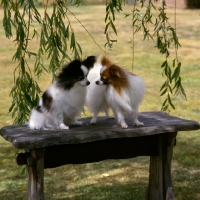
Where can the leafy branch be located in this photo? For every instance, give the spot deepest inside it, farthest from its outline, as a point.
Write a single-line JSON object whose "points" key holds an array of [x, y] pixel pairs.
{"points": [[25, 90], [111, 7], [166, 39], [55, 35]]}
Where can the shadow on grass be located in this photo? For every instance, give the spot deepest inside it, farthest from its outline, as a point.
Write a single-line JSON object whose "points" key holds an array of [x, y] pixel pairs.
{"points": [[89, 192], [186, 166], [186, 184], [12, 182], [115, 191], [110, 179]]}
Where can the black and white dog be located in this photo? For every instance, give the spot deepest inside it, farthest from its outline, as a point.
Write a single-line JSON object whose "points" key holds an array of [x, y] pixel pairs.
{"points": [[64, 100]]}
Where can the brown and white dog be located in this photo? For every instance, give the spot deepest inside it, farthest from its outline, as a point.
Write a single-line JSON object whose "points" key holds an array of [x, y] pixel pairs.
{"points": [[116, 88]]}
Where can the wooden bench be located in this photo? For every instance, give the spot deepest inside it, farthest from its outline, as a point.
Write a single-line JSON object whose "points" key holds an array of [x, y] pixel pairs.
{"points": [[106, 140]]}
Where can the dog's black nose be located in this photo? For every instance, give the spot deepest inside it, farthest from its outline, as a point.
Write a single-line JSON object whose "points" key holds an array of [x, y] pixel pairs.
{"points": [[88, 83], [97, 82]]}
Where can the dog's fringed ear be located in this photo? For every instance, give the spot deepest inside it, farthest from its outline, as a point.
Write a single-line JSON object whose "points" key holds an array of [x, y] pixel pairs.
{"points": [[65, 78], [89, 61], [115, 71], [105, 61]]}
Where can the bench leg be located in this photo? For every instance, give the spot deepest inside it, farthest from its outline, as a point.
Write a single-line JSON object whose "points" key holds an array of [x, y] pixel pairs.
{"points": [[160, 182], [35, 171]]}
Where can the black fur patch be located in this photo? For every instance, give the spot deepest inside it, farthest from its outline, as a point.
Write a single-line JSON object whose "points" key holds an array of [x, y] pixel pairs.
{"points": [[39, 109], [72, 72], [47, 100], [69, 75], [89, 61]]}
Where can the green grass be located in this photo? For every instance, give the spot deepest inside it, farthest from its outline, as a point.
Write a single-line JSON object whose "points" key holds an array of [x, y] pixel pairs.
{"points": [[114, 179]]}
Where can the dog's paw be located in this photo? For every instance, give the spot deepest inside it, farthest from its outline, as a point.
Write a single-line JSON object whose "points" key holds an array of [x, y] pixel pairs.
{"points": [[124, 125], [63, 127], [77, 123], [93, 122], [139, 123], [110, 117]]}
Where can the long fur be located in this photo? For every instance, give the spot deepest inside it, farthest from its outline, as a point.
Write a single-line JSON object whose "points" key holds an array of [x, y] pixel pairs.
{"points": [[62, 102], [116, 88]]}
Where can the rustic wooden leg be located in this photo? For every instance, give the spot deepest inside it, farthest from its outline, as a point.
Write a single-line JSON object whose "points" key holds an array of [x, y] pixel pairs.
{"points": [[160, 183], [35, 170], [155, 186], [167, 158]]}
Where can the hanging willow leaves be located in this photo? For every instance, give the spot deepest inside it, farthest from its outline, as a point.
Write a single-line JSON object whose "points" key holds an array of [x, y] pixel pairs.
{"points": [[55, 34], [112, 6], [57, 37], [166, 39], [164, 35]]}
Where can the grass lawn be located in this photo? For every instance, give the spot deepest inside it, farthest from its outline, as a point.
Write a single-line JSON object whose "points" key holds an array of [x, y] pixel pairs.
{"points": [[114, 179]]}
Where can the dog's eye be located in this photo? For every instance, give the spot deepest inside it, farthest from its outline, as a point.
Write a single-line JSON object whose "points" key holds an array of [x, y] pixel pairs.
{"points": [[104, 79], [80, 78]]}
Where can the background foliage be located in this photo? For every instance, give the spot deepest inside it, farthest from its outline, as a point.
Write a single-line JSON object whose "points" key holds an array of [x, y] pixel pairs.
{"points": [[58, 38]]}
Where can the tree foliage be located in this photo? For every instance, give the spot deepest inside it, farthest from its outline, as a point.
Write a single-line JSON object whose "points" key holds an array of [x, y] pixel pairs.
{"points": [[56, 38]]}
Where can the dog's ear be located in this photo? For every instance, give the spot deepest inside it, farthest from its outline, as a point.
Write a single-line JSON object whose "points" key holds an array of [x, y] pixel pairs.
{"points": [[89, 61], [115, 71], [105, 61], [65, 78]]}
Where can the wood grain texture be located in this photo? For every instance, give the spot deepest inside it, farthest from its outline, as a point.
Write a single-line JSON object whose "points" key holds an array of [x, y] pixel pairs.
{"points": [[36, 175], [120, 148], [22, 137], [155, 187], [160, 182]]}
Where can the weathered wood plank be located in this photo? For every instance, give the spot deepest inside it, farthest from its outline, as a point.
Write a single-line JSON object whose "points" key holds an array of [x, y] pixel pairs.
{"points": [[160, 182], [154, 123], [36, 175], [120, 148], [155, 186], [167, 159]]}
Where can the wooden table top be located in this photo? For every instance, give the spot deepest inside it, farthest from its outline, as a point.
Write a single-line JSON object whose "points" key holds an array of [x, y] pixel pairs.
{"points": [[157, 122]]}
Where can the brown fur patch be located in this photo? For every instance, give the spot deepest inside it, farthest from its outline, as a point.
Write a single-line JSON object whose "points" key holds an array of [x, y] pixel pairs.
{"points": [[105, 61], [114, 75]]}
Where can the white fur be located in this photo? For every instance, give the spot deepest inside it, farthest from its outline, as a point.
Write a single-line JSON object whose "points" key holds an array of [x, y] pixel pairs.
{"points": [[66, 106], [102, 97], [96, 95], [94, 72]]}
